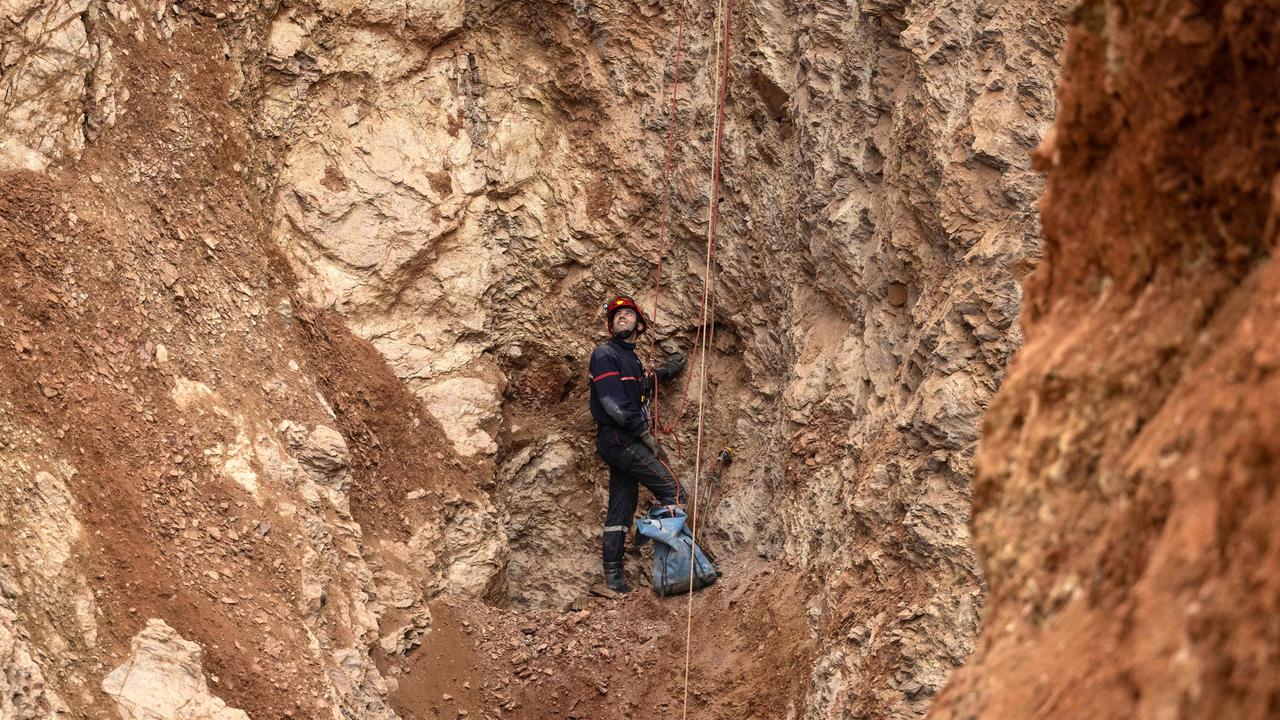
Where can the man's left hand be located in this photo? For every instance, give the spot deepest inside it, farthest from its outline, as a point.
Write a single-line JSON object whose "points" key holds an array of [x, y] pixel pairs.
{"points": [[651, 442], [675, 363]]}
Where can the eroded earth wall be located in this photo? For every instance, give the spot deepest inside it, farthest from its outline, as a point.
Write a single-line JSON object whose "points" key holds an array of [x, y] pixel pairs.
{"points": [[1125, 499], [214, 500], [463, 184]]}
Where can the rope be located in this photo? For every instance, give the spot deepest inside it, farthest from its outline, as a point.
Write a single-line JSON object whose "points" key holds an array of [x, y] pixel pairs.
{"points": [[708, 318], [662, 237], [664, 219], [666, 172]]}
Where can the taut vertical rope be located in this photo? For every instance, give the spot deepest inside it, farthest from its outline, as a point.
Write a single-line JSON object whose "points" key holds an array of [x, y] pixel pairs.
{"points": [[708, 313]]}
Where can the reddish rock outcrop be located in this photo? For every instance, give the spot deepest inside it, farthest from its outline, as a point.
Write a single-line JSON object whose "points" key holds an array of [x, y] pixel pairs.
{"points": [[1125, 499]]}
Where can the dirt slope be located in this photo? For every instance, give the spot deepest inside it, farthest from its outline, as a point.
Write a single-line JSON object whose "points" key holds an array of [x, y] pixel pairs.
{"points": [[160, 378]]}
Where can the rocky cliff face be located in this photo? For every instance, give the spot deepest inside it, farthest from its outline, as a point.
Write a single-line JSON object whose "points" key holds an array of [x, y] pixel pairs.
{"points": [[918, 223], [469, 205], [463, 184], [1125, 498]]}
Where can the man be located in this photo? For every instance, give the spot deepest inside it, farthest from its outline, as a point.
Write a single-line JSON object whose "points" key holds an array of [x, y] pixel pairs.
{"points": [[620, 394]]}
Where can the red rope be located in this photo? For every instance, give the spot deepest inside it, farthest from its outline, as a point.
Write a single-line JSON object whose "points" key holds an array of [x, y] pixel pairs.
{"points": [[664, 220], [708, 321], [663, 236], [666, 168]]}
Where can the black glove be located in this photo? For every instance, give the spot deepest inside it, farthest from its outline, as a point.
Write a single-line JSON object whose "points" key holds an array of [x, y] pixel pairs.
{"points": [[675, 363], [652, 443]]}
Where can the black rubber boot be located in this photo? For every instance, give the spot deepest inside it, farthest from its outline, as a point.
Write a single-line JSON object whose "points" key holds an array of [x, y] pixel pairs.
{"points": [[613, 578]]}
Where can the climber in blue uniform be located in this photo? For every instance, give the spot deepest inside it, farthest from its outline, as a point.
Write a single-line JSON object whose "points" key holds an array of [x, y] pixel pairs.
{"points": [[620, 394]]}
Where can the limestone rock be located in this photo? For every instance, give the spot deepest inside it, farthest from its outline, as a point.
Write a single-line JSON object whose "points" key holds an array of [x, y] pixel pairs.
{"points": [[324, 454], [23, 692], [360, 688], [163, 679], [465, 407], [44, 60], [408, 636]]}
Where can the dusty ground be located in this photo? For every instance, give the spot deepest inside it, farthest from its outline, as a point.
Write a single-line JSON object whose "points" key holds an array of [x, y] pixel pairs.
{"points": [[616, 658]]}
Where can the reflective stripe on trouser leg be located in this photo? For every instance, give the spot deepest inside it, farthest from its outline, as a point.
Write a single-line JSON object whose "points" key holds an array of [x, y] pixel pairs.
{"points": [[623, 493], [613, 544]]}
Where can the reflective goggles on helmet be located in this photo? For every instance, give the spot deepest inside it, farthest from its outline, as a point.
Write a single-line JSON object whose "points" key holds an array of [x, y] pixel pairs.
{"points": [[623, 302]]}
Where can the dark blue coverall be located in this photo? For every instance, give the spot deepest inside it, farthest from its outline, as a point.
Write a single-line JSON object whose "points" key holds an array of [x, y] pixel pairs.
{"points": [[620, 391]]}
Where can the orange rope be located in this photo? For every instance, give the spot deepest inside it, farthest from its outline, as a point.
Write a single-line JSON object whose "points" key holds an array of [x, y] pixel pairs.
{"points": [[663, 221], [666, 170], [663, 238], [707, 320]]}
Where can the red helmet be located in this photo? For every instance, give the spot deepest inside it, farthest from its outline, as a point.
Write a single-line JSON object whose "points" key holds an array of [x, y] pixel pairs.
{"points": [[622, 302]]}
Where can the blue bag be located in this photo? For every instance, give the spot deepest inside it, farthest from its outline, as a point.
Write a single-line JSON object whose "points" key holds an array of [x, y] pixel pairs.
{"points": [[671, 552]]}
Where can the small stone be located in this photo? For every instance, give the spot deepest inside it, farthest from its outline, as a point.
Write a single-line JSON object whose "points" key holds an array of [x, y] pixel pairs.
{"points": [[168, 273], [162, 353], [913, 690], [96, 179], [897, 294], [415, 494]]}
